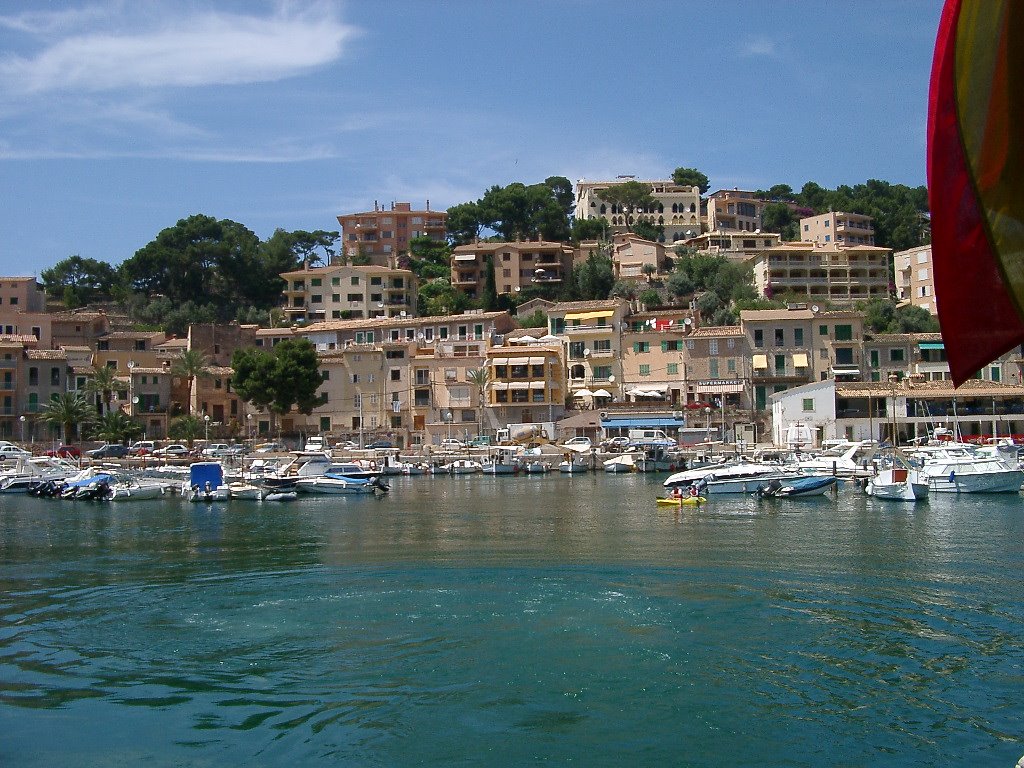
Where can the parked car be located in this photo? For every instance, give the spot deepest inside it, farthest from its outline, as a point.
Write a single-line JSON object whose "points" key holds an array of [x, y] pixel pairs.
{"points": [[451, 444], [142, 448], [578, 444], [268, 448], [346, 445], [12, 451], [108, 451], [173, 450], [380, 445], [615, 444], [215, 450], [65, 451]]}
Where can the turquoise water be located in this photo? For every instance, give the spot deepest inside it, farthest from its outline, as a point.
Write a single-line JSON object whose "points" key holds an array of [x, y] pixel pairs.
{"points": [[512, 621]]}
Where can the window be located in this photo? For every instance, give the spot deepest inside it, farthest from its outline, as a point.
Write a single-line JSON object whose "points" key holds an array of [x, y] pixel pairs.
{"points": [[54, 377], [325, 423], [33, 377], [355, 378], [994, 373], [798, 337], [645, 370], [844, 333], [468, 415], [335, 281], [603, 345], [730, 365], [823, 330], [713, 368], [396, 374], [316, 282], [758, 339], [602, 372], [713, 347], [808, 404], [325, 374], [335, 297], [641, 346], [672, 369], [355, 280], [780, 365]]}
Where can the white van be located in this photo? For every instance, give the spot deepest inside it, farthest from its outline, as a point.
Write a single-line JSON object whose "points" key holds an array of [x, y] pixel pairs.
{"points": [[650, 437], [315, 443]]}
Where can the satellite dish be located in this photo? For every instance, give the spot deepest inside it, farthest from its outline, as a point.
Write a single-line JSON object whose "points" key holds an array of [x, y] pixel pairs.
{"points": [[688, 321], [135, 400], [586, 353], [380, 305], [815, 308], [420, 336], [402, 313]]}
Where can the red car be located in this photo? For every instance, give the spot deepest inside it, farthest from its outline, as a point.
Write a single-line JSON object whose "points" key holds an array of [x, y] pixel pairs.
{"points": [[66, 452]]}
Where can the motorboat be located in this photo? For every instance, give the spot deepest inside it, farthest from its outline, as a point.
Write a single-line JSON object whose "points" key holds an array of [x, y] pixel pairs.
{"points": [[845, 459], [536, 466], [464, 467], [409, 468], [205, 482], [797, 486], [575, 463], [280, 495], [31, 471], [246, 491], [730, 477], [657, 458], [329, 484], [501, 461], [353, 470], [621, 463], [897, 479], [961, 468], [128, 488], [88, 485]]}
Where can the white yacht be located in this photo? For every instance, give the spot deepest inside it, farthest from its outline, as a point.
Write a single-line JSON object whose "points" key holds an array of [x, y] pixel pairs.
{"points": [[961, 468], [846, 459], [897, 479]]}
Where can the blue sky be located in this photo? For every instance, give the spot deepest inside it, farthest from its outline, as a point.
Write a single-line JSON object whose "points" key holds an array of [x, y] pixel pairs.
{"points": [[120, 117]]}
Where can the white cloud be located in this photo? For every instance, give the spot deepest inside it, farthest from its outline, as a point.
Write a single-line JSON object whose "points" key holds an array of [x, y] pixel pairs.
{"points": [[758, 46], [208, 48]]}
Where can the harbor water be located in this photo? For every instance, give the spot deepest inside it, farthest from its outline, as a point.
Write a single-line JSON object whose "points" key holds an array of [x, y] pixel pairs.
{"points": [[496, 621]]}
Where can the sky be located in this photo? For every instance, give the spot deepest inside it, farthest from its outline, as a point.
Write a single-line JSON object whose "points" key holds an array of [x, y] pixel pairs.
{"points": [[120, 117]]}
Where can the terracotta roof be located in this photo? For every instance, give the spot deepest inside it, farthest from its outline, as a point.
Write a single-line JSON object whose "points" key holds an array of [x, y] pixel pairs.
{"points": [[717, 330], [132, 335], [911, 338], [970, 388], [73, 316], [75, 348], [570, 306], [395, 322], [322, 271], [9, 338], [275, 331], [754, 315], [45, 354]]}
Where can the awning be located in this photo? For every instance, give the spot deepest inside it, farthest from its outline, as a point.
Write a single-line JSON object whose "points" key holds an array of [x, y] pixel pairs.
{"points": [[931, 345], [602, 393], [589, 315], [719, 387], [519, 385], [800, 360], [499, 385], [846, 371], [649, 423], [536, 385], [659, 388], [548, 338], [464, 257], [583, 393], [760, 361], [499, 361], [536, 361]]}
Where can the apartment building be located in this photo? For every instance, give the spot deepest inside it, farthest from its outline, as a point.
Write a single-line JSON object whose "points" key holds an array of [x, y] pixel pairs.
{"points": [[21, 294], [838, 227], [77, 328], [915, 278], [795, 346], [592, 333], [634, 258], [515, 264], [383, 234], [737, 247], [825, 272], [734, 210], [653, 368], [527, 382], [717, 367], [677, 208], [340, 292]]}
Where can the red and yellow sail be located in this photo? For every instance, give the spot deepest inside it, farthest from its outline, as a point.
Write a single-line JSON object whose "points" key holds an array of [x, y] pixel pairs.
{"points": [[976, 180]]}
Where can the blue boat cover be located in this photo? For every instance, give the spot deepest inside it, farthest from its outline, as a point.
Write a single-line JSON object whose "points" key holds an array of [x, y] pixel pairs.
{"points": [[203, 472]]}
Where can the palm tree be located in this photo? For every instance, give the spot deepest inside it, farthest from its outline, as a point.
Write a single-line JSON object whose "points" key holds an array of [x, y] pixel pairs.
{"points": [[191, 364], [105, 382], [67, 410], [649, 270], [116, 427], [479, 377], [187, 428]]}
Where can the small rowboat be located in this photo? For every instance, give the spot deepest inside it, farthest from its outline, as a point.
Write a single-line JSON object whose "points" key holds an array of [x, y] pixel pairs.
{"points": [[684, 500]]}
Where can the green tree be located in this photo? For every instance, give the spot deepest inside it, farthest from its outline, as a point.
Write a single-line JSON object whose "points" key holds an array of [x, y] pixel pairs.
{"points": [[116, 427], [286, 377], [595, 277], [79, 281], [490, 297], [535, 320], [649, 231], [650, 298], [691, 177], [190, 364], [465, 221], [778, 217], [632, 198], [589, 229], [188, 428], [68, 411], [679, 283], [103, 383], [429, 258], [438, 297]]}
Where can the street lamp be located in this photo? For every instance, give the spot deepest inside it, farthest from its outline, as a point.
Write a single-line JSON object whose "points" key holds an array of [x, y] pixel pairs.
{"points": [[206, 418], [22, 420], [707, 414], [131, 388], [249, 433]]}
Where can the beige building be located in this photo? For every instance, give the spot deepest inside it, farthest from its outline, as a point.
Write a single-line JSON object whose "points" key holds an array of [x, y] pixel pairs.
{"points": [[21, 294], [734, 246], [340, 292], [382, 235], [653, 366], [812, 271], [677, 208], [592, 333], [837, 227], [734, 210], [915, 278], [633, 258], [795, 346], [526, 383], [516, 265]]}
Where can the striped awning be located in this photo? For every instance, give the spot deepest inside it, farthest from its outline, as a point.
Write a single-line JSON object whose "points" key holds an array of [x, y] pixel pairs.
{"points": [[536, 385], [589, 315], [499, 361], [519, 385], [760, 361], [535, 361], [800, 360]]}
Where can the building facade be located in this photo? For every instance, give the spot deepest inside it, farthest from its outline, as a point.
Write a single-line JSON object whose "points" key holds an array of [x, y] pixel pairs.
{"points": [[382, 235], [915, 278], [677, 208], [515, 264], [341, 292], [734, 210], [838, 227], [813, 271]]}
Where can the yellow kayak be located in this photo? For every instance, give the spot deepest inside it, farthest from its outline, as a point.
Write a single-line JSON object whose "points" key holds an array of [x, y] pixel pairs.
{"points": [[671, 502]]}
